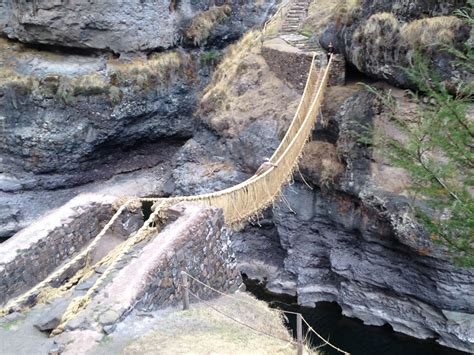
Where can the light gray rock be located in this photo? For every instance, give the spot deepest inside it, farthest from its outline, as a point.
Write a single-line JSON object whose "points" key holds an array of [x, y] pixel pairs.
{"points": [[125, 26], [386, 57], [87, 284], [349, 244], [52, 315], [109, 317]]}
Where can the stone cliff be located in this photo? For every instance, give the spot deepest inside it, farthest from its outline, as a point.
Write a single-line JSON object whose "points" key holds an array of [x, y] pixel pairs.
{"points": [[380, 38], [123, 26], [73, 113], [350, 238], [77, 116]]}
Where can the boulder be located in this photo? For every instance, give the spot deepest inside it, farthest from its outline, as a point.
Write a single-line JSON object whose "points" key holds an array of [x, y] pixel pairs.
{"points": [[52, 315]]}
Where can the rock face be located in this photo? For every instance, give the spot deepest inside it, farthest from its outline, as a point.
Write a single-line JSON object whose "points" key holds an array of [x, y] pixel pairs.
{"points": [[381, 37], [69, 119], [124, 26], [350, 240]]}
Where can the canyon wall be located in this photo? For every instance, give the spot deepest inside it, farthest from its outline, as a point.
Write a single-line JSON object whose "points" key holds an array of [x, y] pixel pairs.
{"points": [[380, 38], [121, 26], [352, 240], [86, 98]]}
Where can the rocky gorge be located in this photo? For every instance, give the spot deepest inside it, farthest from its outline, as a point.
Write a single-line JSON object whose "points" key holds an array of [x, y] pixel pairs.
{"points": [[100, 108]]}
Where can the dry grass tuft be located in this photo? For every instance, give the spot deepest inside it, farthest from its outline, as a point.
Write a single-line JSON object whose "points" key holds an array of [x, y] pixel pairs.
{"points": [[432, 31], [10, 78], [160, 69], [201, 26], [380, 27], [323, 12], [244, 89], [320, 159]]}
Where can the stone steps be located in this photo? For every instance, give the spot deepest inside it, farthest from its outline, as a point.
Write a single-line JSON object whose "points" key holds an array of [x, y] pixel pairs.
{"points": [[292, 25], [294, 17]]}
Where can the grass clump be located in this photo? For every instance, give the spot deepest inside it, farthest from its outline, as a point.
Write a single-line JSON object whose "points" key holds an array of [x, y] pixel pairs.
{"points": [[158, 70], [20, 83], [85, 85], [211, 57], [323, 12], [228, 70], [433, 31], [321, 159], [202, 25], [89, 85]]}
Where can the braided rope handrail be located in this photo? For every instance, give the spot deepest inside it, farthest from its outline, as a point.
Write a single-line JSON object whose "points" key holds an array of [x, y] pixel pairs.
{"points": [[239, 203]]}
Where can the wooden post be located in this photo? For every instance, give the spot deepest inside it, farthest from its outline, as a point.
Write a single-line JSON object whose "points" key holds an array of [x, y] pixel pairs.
{"points": [[185, 290], [299, 333]]}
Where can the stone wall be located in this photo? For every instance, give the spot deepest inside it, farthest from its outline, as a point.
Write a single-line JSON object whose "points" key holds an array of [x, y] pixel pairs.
{"points": [[287, 62], [33, 253], [337, 75], [195, 240], [203, 252], [292, 65]]}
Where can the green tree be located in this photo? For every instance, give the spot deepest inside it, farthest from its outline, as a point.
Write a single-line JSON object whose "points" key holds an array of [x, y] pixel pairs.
{"points": [[439, 152]]}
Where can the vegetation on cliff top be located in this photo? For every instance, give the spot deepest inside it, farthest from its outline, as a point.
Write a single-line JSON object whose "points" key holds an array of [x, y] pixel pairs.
{"points": [[158, 70], [439, 151], [202, 25]]}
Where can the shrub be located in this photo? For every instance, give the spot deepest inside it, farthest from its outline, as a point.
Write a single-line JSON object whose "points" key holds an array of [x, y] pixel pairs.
{"points": [[434, 31], [202, 25], [439, 156], [210, 58]]}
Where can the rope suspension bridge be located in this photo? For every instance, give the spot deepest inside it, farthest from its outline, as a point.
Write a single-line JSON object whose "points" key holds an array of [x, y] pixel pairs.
{"points": [[240, 203]]}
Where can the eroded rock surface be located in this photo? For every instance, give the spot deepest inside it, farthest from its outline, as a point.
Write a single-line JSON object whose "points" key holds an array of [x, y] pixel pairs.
{"points": [[119, 26], [381, 37], [351, 239]]}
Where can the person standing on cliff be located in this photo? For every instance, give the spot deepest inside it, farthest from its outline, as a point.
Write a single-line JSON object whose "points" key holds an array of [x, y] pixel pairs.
{"points": [[330, 50]]}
